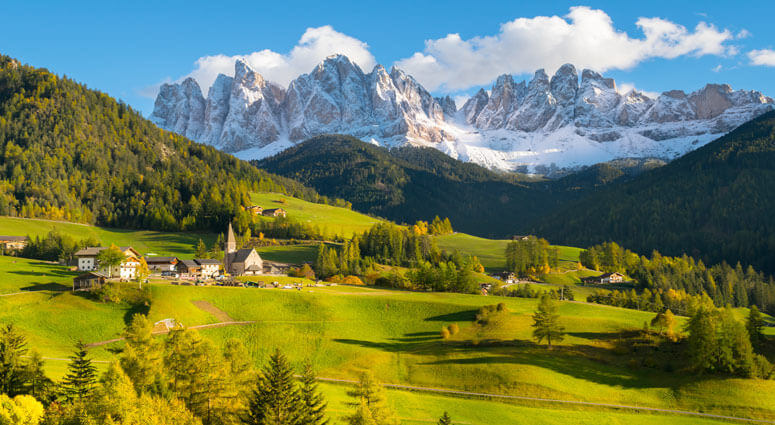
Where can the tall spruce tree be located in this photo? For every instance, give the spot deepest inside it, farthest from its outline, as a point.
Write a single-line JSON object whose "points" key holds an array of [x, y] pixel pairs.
{"points": [[81, 376], [276, 399], [370, 403], [313, 404], [546, 322]]}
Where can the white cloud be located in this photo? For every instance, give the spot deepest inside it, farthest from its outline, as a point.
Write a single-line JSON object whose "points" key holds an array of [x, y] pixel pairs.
{"points": [[744, 33], [585, 37], [763, 57], [625, 88], [460, 100], [314, 46], [717, 68]]}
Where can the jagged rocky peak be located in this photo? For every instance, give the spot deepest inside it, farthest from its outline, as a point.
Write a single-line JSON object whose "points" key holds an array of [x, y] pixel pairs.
{"points": [[537, 122], [564, 84]]}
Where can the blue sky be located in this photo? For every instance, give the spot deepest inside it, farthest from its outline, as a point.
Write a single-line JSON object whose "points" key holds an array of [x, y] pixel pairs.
{"points": [[128, 48]]}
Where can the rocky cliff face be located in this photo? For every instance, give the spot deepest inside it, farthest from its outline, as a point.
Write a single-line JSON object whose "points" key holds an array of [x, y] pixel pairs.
{"points": [[541, 125]]}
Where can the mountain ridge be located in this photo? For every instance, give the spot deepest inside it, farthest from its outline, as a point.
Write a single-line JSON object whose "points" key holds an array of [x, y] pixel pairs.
{"points": [[540, 126]]}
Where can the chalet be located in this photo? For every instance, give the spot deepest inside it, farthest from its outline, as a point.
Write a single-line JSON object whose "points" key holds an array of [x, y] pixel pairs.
{"points": [[245, 261], [88, 280], [605, 278], [162, 264], [274, 212], [210, 267], [87, 262], [13, 243], [189, 268], [128, 268], [255, 210], [507, 277]]}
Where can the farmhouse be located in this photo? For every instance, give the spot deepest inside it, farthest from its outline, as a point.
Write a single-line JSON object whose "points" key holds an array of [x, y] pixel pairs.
{"points": [[274, 212], [87, 261], [189, 268], [605, 278], [88, 280], [245, 261], [255, 210], [13, 243], [162, 264], [209, 267]]}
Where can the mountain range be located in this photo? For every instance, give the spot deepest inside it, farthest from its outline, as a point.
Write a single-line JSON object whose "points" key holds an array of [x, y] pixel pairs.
{"points": [[546, 125]]}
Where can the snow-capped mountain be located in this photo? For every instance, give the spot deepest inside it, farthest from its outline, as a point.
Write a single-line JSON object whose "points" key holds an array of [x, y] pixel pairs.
{"points": [[542, 125]]}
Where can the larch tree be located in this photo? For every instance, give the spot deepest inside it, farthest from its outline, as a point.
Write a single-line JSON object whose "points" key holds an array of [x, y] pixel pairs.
{"points": [[546, 324], [313, 404]]}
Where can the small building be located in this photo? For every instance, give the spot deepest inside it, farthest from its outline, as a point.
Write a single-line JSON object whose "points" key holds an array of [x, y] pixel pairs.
{"points": [[274, 212], [87, 257], [209, 266], [605, 278], [128, 268], [162, 264], [255, 210], [13, 243], [189, 268], [88, 281]]}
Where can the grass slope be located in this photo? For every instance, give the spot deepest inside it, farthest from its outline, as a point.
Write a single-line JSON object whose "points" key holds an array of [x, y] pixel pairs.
{"points": [[331, 220], [145, 241], [491, 252], [343, 330]]}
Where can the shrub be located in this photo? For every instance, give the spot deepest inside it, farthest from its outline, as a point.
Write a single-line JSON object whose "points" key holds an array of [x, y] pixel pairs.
{"points": [[454, 329], [444, 333]]}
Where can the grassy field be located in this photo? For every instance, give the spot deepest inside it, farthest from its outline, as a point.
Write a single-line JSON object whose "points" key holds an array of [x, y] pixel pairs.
{"points": [[345, 329], [332, 220], [294, 254], [145, 241], [491, 252]]}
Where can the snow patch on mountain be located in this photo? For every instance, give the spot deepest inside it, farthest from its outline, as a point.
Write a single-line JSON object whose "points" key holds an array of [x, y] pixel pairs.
{"points": [[542, 125]]}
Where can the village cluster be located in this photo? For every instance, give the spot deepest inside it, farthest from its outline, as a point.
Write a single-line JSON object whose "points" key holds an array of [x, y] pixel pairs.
{"points": [[236, 262]]}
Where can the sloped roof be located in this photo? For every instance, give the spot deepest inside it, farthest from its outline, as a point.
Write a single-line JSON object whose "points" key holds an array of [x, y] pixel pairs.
{"points": [[159, 260], [91, 251], [190, 264], [12, 238], [204, 261], [91, 275], [242, 255]]}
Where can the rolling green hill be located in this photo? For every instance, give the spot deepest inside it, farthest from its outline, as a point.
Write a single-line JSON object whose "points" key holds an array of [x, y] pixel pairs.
{"points": [[396, 335], [410, 184], [714, 203]]}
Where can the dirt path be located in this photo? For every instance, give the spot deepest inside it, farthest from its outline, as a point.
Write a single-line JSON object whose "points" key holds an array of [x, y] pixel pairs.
{"points": [[207, 326], [550, 400], [219, 314]]}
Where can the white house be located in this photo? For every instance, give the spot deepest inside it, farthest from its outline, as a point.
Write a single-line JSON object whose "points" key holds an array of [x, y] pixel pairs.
{"points": [[210, 267], [87, 261]]}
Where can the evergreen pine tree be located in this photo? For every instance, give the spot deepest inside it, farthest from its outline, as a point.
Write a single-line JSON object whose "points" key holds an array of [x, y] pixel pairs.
{"points": [[81, 376], [201, 250], [371, 403], [546, 322], [276, 399], [313, 404], [445, 419], [13, 346]]}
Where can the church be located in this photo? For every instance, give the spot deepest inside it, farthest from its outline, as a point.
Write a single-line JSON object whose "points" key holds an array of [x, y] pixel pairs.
{"points": [[240, 262]]}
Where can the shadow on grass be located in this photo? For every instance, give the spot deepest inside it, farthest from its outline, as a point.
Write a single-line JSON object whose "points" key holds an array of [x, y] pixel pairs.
{"points": [[56, 287], [585, 362], [460, 316]]}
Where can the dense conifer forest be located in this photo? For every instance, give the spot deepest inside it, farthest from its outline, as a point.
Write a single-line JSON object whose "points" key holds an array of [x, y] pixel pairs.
{"points": [[714, 204], [71, 153]]}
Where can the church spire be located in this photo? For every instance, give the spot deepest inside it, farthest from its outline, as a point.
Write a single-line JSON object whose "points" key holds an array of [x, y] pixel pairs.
{"points": [[231, 241]]}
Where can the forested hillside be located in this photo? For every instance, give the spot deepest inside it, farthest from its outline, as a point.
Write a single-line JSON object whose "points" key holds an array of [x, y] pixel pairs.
{"points": [[409, 184], [71, 153], [715, 204]]}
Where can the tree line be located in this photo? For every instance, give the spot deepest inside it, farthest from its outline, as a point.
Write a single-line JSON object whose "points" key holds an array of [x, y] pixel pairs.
{"points": [[530, 256], [724, 284]]}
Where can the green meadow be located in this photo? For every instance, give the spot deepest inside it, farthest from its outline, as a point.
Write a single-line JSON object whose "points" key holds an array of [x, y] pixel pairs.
{"points": [[145, 241], [491, 252], [336, 220], [396, 334]]}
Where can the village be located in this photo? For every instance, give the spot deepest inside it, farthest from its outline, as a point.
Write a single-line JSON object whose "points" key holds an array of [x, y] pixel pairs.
{"points": [[201, 271]]}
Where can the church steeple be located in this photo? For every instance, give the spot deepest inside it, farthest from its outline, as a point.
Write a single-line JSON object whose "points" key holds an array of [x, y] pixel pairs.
{"points": [[231, 242]]}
